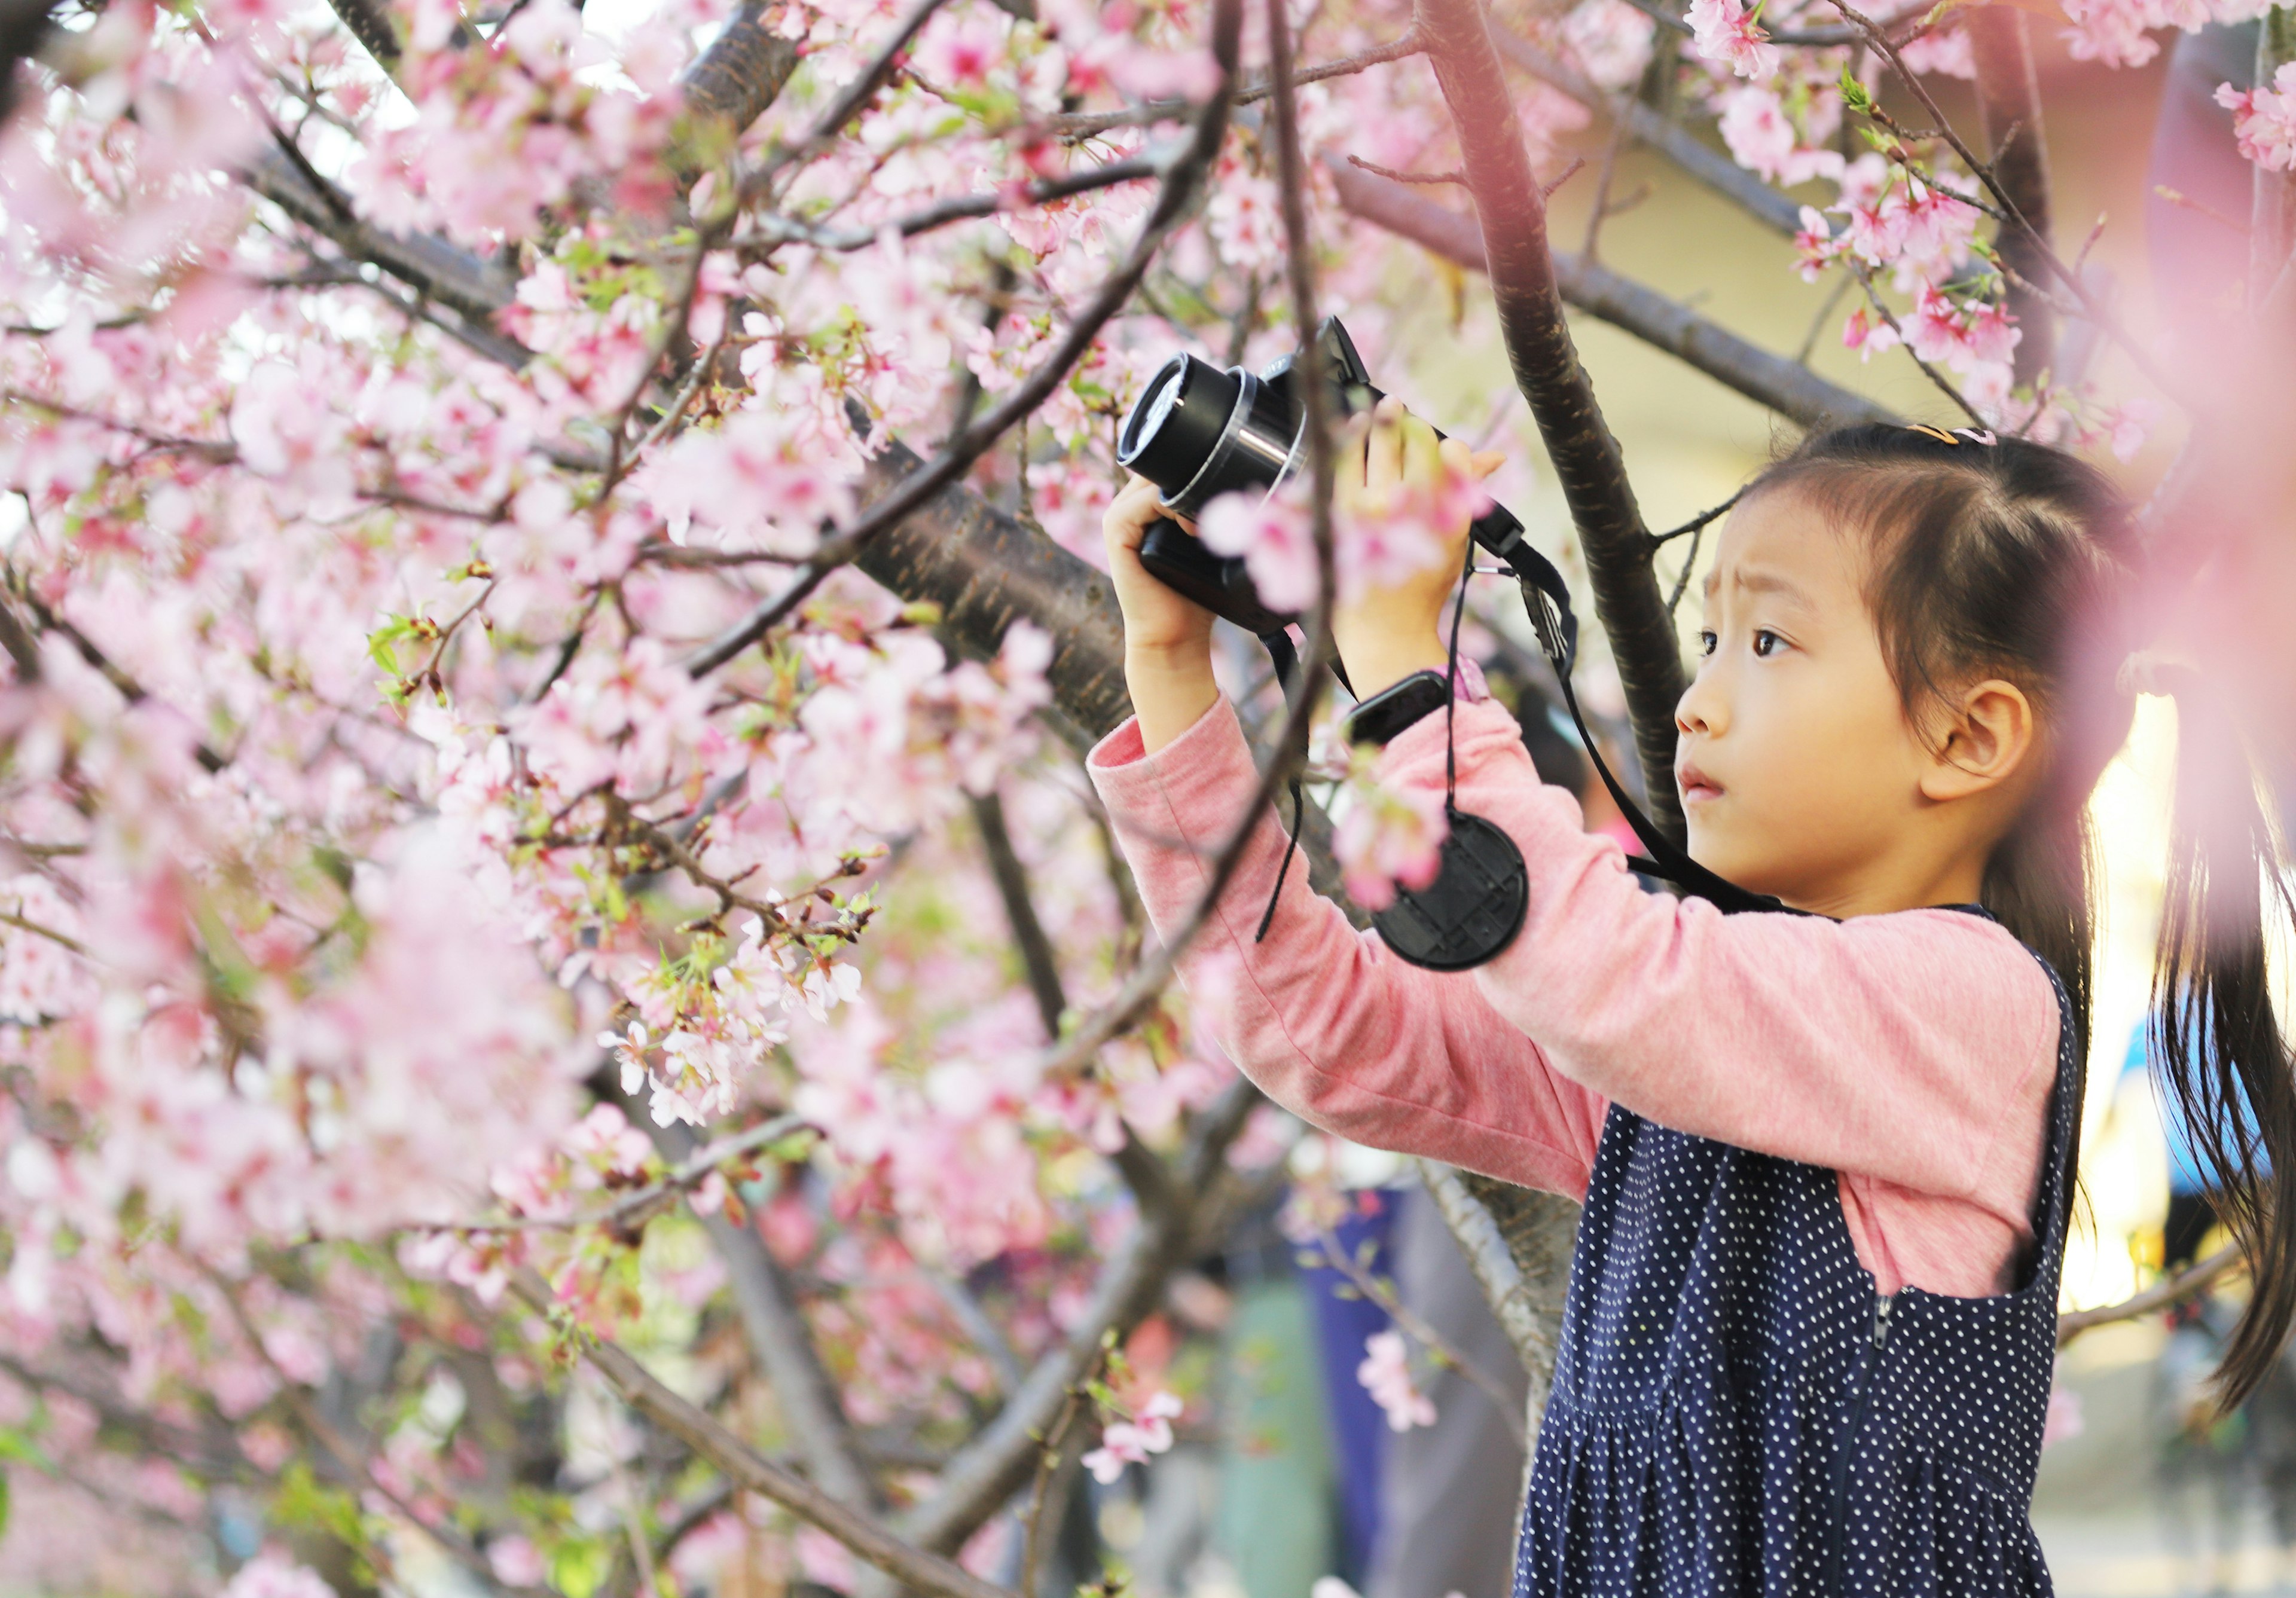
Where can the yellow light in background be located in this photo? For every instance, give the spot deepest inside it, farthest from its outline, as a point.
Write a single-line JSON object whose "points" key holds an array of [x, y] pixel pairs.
{"points": [[2124, 1161]]}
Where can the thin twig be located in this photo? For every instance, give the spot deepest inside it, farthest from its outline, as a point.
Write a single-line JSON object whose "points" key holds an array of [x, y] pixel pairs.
{"points": [[1882, 45], [1697, 522], [1390, 172], [2186, 1284], [11, 918], [863, 89], [218, 452], [1824, 314], [1055, 1460], [751, 1471], [675, 411], [1085, 124], [1612, 148], [634, 1208], [1418, 1330], [1689, 564], [456, 1546], [641, 1552], [774, 230], [1888, 317], [2178, 198], [619, 455], [1813, 37], [960, 452]]}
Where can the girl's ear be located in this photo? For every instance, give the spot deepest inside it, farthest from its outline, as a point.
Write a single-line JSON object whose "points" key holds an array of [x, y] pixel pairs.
{"points": [[1986, 740]]}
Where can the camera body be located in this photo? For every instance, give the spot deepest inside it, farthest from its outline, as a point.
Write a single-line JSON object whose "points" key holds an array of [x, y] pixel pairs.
{"points": [[1199, 431]]}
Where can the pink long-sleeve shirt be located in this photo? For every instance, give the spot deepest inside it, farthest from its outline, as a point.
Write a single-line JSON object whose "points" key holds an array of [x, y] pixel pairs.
{"points": [[1912, 1054]]}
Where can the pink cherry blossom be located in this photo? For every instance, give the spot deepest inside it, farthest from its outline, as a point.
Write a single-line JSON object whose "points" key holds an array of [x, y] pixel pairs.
{"points": [[266, 1575], [2264, 119], [1136, 1441], [1762, 139], [1385, 1373], [1725, 31], [1868, 334], [1272, 534], [1612, 40], [1386, 836]]}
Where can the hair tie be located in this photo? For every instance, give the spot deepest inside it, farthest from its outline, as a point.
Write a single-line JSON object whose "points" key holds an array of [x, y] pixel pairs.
{"points": [[2155, 671], [1975, 435]]}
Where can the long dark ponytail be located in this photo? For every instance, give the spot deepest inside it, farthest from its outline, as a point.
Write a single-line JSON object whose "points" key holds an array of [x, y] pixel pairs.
{"points": [[2220, 1048], [2000, 556]]}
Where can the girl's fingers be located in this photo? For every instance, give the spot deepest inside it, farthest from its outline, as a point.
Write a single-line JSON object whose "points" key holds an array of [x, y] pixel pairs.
{"points": [[1383, 465], [1135, 508], [1423, 452], [1354, 461], [1484, 461]]}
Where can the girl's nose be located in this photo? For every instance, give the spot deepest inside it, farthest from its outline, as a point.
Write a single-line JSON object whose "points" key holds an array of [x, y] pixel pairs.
{"points": [[1698, 709]]}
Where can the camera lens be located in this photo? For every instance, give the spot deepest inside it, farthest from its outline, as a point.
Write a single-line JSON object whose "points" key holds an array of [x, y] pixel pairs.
{"points": [[1176, 425]]}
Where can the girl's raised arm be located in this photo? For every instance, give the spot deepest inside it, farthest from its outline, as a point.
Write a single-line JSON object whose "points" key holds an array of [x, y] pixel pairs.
{"points": [[1322, 1017], [1892, 1046]]}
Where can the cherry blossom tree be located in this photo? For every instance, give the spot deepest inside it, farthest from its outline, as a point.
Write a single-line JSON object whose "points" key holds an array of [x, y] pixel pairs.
{"points": [[568, 1014]]}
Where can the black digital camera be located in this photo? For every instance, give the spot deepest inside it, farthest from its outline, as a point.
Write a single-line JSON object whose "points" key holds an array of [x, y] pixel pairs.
{"points": [[1198, 431]]}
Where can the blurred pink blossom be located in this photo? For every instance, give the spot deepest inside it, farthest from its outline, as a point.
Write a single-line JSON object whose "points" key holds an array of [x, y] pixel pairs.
{"points": [[1385, 1373]]}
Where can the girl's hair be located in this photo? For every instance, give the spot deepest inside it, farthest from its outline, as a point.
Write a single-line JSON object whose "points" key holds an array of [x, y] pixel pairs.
{"points": [[1998, 557]]}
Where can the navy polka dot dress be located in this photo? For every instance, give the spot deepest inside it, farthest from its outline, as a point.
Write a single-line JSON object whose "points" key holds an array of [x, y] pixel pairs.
{"points": [[1737, 1410]]}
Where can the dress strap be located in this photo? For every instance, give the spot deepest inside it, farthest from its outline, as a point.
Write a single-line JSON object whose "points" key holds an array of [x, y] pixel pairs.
{"points": [[2063, 1133]]}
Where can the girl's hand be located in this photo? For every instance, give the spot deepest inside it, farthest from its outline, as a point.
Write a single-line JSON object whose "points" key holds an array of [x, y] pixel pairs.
{"points": [[1167, 638], [1384, 634], [1157, 619]]}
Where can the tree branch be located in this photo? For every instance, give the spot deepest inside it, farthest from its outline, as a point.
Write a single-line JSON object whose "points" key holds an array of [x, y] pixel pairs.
{"points": [[773, 229], [1020, 911], [1416, 1326], [968, 445], [1000, 1460], [1587, 463], [1517, 1243], [450, 1538], [2009, 110], [1783, 385], [742, 73], [1884, 47], [2272, 204], [23, 26], [1659, 132], [439, 271], [2176, 1289], [775, 1327], [1085, 124], [751, 1472]]}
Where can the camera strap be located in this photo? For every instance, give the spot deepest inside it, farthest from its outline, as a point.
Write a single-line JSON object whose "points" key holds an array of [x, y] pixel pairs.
{"points": [[1548, 597], [1476, 902]]}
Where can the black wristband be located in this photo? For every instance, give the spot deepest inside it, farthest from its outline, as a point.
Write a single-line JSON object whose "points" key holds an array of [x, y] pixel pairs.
{"points": [[1378, 718]]}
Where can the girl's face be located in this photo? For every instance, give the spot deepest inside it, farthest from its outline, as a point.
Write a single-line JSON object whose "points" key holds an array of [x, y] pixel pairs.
{"points": [[1799, 773]]}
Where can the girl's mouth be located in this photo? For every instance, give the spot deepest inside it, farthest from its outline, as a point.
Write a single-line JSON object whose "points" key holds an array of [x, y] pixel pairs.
{"points": [[1697, 787]]}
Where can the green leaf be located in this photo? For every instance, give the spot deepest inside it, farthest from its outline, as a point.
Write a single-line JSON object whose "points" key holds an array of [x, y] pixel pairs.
{"points": [[579, 1565], [16, 1448]]}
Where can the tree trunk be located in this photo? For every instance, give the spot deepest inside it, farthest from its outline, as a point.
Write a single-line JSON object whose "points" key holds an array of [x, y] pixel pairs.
{"points": [[1587, 463], [2272, 213], [2009, 105]]}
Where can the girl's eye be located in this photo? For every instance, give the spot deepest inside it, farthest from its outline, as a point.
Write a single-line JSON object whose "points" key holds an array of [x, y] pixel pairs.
{"points": [[1766, 642], [1705, 642]]}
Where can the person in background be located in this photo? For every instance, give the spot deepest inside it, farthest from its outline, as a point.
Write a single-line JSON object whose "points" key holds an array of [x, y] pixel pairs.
{"points": [[2192, 1212]]}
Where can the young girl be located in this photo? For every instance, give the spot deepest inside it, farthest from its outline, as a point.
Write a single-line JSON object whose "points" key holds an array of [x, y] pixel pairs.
{"points": [[1826, 1159]]}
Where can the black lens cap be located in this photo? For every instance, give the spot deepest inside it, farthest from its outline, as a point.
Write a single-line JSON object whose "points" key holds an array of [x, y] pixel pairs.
{"points": [[1471, 911]]}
